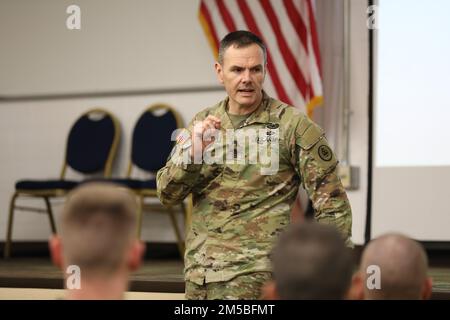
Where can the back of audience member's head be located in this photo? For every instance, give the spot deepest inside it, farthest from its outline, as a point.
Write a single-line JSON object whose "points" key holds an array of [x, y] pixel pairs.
{"points": [[402, 266], [98, 231], [310, 261]]}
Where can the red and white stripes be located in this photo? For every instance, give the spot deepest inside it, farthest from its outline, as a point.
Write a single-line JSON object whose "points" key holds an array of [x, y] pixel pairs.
{"points": [[288, 29]]}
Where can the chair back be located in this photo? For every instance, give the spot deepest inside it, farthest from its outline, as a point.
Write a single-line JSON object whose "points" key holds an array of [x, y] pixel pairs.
{"points": [[92, 143], [151, 140]]}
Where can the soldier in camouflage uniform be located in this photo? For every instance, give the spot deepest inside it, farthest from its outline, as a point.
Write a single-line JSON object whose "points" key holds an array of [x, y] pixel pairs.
{"points": [[239, 209]]}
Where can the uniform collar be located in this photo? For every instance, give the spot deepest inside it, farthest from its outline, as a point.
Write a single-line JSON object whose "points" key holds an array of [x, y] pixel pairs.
{"points": [[260, 115]]}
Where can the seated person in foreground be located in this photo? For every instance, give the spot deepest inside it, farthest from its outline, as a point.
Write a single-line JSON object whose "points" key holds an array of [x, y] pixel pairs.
{"points": [[310, 261], [97, 247], [393, 266]]}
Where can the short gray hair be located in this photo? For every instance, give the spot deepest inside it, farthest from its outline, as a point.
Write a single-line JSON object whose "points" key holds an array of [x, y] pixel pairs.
{"points": [[240, 39], [98, 225]]}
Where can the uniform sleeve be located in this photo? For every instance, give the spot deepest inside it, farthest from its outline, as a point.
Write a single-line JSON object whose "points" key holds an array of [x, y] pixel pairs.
{"points": [[177, 178], [317, 168]]}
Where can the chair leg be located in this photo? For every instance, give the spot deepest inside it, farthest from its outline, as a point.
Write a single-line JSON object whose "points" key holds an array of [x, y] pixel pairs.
{"points": [[139, 216], [50, 215], [7, 252], [174, 221]]}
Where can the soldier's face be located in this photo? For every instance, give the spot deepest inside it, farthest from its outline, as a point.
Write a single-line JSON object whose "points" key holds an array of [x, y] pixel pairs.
{"points": [[242, 73]]}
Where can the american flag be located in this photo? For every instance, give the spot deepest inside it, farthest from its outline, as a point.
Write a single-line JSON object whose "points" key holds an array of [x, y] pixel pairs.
{"points": [[288, 28]]}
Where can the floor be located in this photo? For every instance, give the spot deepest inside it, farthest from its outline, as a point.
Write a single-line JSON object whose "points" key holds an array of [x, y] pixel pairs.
{"points": [[164, 276], [156, 279], [55, 294]]}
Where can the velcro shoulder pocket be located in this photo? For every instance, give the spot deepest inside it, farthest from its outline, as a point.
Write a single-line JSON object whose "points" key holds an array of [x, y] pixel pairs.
{"points": [[308, 135], [315, 147]]}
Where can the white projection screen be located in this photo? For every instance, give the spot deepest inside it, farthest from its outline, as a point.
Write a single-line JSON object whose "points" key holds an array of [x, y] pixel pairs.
{"points": [[411, 158]]}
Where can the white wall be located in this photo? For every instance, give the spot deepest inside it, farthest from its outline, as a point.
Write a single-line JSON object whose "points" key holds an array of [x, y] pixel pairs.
{"points": [[121, 45], [330, 16], [169, 51], [132, 44], [359, 121], [411, 163]]}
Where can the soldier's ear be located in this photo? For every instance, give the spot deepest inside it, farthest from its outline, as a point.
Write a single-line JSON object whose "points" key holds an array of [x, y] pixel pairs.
{"points": [[269, 291], [427, 289], [135, 255], [356, 290], [219, 71], [55, 247]]}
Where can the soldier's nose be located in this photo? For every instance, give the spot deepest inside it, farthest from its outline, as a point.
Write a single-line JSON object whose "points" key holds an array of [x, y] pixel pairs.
{"points": [[246, 76]]}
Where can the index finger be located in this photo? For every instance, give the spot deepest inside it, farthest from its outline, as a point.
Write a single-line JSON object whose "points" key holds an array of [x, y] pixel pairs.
{"points": [[215, 119]]}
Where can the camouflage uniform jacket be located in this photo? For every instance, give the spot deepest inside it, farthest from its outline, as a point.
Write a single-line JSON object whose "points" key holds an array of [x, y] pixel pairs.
{"points": [[238, 212]]}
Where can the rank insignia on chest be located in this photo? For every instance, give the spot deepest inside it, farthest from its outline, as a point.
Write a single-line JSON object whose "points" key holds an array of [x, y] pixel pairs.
{"points": [[266, 139]]}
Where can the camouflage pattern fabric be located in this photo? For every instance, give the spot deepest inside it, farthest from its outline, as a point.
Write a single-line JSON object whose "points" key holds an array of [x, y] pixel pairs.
{"points": [[239, 212], [244, 287]]}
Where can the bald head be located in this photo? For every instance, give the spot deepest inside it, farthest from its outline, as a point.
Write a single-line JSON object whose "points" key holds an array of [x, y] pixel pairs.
{"points": [[403, 266], [98, 226]]}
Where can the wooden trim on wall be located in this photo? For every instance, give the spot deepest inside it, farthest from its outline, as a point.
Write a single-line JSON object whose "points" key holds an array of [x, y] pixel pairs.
{"points": [[107, 94]]}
